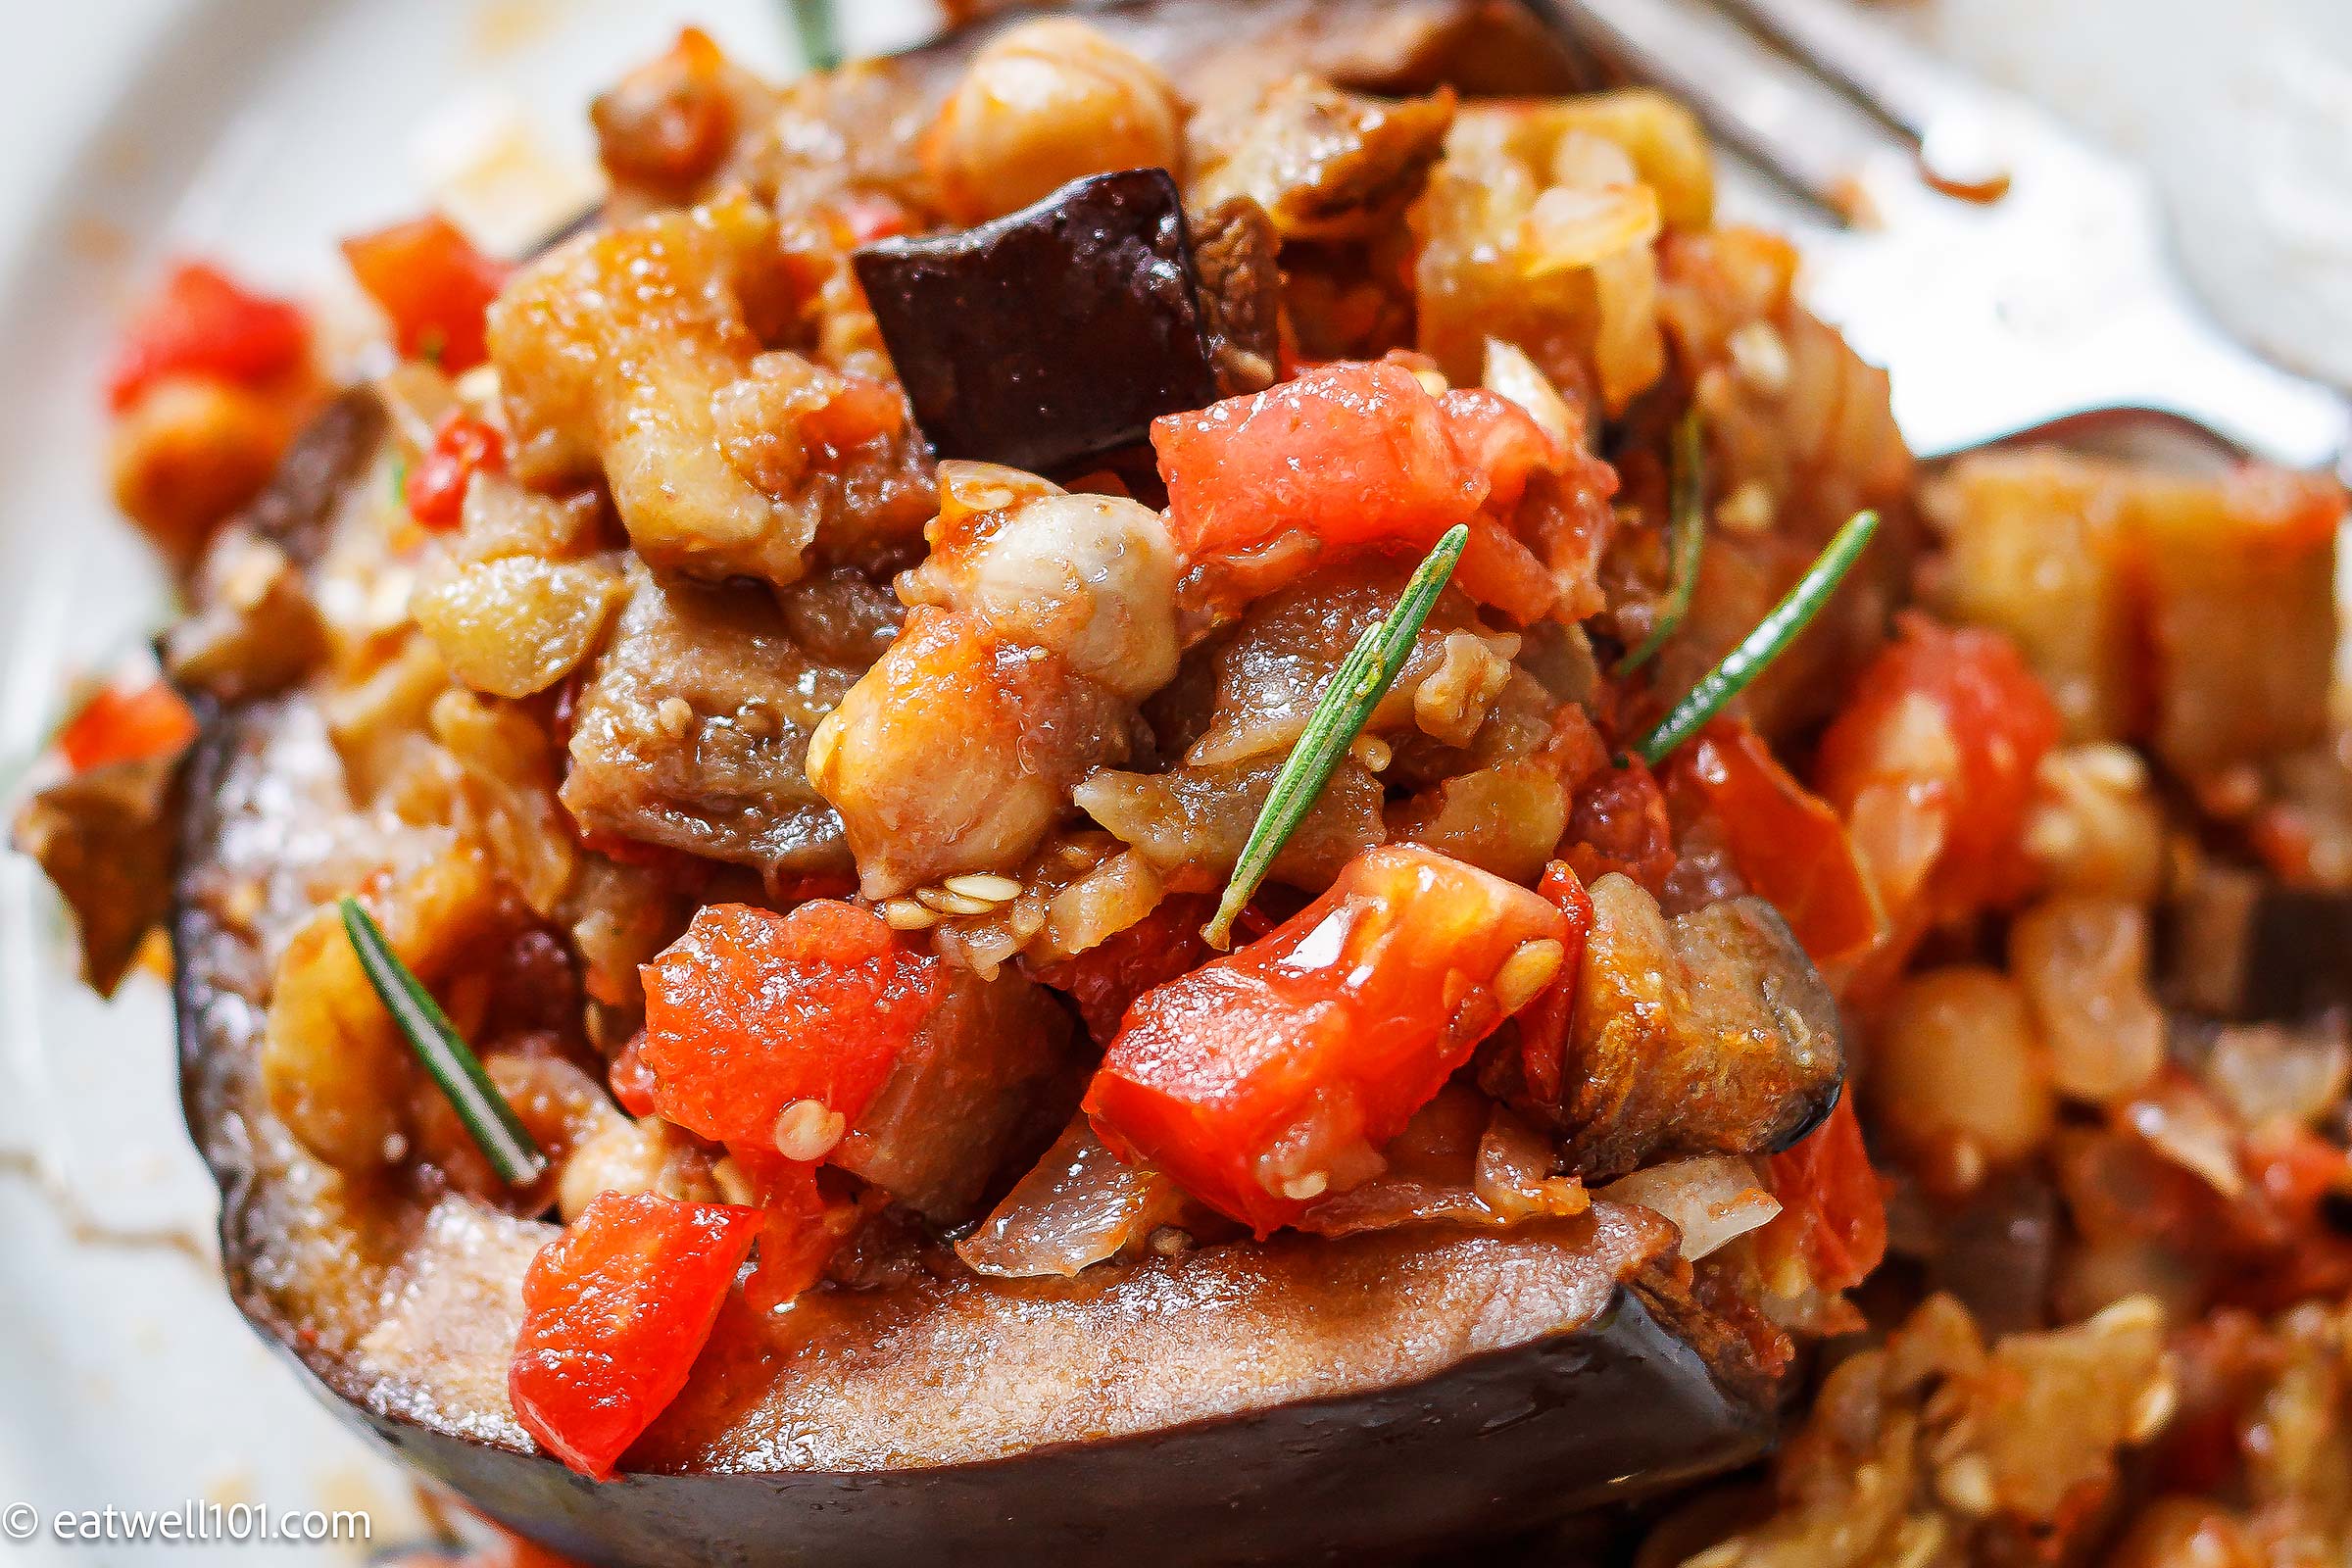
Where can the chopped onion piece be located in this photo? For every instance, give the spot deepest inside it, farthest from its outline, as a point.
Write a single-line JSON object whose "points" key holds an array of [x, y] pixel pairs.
{"points": [[2188, 1129], [1712, 1200], [1081, 1205]]}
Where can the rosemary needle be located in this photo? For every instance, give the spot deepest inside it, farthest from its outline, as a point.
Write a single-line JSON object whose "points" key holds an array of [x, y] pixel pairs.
{"points": [[489, 1120], [1759, 648], [1686, 539], [820, 32], [1362, 679]]}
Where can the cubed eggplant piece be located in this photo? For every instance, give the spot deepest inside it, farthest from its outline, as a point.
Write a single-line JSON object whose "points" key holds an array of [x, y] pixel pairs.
{"points": [[1052, 336], [2298, 955]]}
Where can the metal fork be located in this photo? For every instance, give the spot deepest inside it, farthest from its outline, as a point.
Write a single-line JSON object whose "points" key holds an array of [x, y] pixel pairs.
{"points": [[2042, 296]]}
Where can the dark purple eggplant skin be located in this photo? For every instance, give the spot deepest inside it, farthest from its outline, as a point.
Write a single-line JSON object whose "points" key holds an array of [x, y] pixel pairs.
{"points": [[1632, 1392], [1054, 335], [2298, 954]]}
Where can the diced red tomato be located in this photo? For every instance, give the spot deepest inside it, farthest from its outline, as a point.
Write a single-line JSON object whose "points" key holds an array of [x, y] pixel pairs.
{"points": [[1932, 764], [1833, 1205], [1350, 454], [1497, 437], [127, 727], [631, 1080], [751, 1011], [204, 323], [799, 1229], [614, 1311], [462, 446], [1618, 822], [433, 284], [1788, 846], [1543, 1025], [1269, 1077], [1107, 978]]}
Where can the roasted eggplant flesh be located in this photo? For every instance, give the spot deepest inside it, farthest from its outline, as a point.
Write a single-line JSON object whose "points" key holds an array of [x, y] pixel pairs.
{"points": [[1052, 336]]}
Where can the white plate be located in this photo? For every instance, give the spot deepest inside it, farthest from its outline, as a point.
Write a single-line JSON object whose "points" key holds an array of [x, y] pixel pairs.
{"points": [[259, 131]]}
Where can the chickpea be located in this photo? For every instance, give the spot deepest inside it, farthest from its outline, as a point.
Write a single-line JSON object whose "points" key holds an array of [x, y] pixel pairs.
{"points": [[190, 452], [1959, 1076], [1092, 577], [559, 1105], [2084, 962], [620, 1156], [1046, 103], [2097, 826]]}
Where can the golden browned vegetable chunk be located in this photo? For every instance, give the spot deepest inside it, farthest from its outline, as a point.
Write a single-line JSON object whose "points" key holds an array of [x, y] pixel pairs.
{"points": [[335, 1067], [1709, 1033], [1323, 163], [628, 352], [958, 751], [985, 1081], [105, 838], [693, 730], [2195, 614]]}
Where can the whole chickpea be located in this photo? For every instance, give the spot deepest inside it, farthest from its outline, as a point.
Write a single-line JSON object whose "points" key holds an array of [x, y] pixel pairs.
{"points": [[1046, 103], [1959, 1075]]}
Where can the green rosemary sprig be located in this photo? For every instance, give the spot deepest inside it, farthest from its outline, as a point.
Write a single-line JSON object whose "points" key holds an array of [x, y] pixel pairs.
{"points": [[1362, 679], [820, 32], [1759, 648], [1686, 539], [489, 1119]]}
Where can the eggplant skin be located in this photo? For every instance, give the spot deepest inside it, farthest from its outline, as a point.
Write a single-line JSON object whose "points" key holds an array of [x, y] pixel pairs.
{"points": [[1502, 1443]]}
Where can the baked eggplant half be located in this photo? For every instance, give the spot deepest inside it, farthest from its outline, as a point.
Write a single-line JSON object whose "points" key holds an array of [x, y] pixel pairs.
{"points": [[1366, 1397], [1484, 1274]]}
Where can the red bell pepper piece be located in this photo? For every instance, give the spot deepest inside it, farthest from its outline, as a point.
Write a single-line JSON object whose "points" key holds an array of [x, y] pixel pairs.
{"points": [[1543, 1025], [1949, 728], [462, 446], [800, 1227], [614, 1311], [751, 1011], [1104, 980], [127, 727], [433, 284], [1833, 1205], [203, 322], [1264, 1079], [1790, 847]]}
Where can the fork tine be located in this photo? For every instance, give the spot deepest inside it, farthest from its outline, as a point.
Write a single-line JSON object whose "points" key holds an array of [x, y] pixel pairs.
{"points": [[1858, 54], [1797, 129]]}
